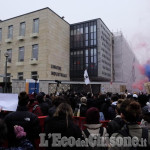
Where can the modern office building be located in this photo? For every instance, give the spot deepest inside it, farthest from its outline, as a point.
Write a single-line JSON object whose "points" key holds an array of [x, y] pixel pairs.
{"points": [[38, 47], [91, 48]]}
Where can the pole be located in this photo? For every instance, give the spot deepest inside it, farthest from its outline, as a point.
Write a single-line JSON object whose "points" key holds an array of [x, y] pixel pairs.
{"points": [[5, 87]]}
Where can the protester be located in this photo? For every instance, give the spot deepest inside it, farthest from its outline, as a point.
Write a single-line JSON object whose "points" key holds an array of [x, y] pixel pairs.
{"points": [[43, 106], [62, 123], [130, 112], [22, 142], [33, 106], [93, 126], [117, 123], [24, 118]]}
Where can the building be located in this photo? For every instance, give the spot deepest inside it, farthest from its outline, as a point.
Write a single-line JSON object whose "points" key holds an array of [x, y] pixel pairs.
{"points": [[91, 49], [38, 47], [44, 47], [124, 61]]}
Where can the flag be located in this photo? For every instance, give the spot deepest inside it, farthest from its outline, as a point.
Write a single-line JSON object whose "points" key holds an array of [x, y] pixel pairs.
{"points": [[86, 77]]}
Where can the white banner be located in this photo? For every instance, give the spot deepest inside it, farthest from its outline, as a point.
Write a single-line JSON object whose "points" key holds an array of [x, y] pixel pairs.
{"points": [[8, 102]]}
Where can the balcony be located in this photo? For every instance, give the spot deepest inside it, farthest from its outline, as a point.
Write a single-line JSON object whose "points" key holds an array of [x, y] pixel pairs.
{"points": [[34, 35], [33, 61], [21, 38], [20, 63], [8, 40]]}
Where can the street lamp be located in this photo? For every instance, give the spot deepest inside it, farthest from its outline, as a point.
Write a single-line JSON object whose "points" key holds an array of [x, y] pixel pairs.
{"points": [[6, 54]]}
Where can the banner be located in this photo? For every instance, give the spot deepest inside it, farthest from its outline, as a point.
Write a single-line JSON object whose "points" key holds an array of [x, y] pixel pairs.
{"points": [[8, 102]]}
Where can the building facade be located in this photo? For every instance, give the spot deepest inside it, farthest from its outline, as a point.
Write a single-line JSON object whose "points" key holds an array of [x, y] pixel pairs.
{"points": [[38, 46], [42, 46], [124, 61], [91, 49]]}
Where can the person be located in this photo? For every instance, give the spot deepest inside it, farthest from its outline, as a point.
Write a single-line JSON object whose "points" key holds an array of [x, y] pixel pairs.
{"points": [[23, 142], [117, 123], [43, 106], [33, 106], [62, 123], [93, 126], [24, 118], [130, 113]]}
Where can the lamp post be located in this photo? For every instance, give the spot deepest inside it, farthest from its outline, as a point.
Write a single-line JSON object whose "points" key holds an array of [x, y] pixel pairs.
{"points": [[5, 87]]}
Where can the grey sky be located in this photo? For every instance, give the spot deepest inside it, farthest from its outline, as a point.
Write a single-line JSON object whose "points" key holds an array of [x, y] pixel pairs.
{"points": [[132, 17]]}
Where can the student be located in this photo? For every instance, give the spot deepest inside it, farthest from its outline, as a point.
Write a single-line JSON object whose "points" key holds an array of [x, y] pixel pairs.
{"points": [[93, 127], [23, 142], [130, 113], [24, 118]]}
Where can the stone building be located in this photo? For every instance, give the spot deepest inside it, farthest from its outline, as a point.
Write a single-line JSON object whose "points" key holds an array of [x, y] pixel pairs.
{"points": [[38, 47]]}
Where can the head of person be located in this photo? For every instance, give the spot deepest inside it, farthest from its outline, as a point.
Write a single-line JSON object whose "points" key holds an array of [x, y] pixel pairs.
{"points": [[92, 116], [23, 98], [130, 110], [40, 97], [57, 100], [83, 100], [3, 131], [64, 110], [118, 111]]}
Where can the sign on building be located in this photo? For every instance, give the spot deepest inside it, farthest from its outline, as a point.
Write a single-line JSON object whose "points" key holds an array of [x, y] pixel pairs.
{"points": [[32, 86]]}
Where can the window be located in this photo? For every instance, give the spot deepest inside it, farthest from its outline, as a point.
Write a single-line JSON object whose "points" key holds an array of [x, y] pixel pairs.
{"points": [[21, 54], [22, 29], [10, 32], [20, 75], [0, 34], [36, 25], [9, 55], [35, 51], [34, 75]]}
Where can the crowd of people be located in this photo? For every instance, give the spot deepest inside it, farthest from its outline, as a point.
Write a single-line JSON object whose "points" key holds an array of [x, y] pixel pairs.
{"points": [[128, 115]]}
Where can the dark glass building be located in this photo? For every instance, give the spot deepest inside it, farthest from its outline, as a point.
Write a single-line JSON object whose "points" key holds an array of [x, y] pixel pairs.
{"points": [[91, 49]]}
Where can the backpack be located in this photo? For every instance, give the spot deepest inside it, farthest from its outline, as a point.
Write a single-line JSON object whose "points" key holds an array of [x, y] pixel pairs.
{"points": [[125, 133], [87, 134]]}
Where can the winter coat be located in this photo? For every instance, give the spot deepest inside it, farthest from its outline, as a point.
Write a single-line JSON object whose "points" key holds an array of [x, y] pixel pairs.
{"points": [[115, 125], [59, 125], [23, 144], [134, 130], [27, 120], [35, 108]]}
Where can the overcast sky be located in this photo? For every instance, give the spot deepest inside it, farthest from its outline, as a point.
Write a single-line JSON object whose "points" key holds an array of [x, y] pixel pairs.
{"points": [[132, 17]]}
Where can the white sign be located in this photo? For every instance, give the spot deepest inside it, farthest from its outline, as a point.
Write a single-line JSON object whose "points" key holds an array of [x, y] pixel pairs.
{"points": [[8, 102]]}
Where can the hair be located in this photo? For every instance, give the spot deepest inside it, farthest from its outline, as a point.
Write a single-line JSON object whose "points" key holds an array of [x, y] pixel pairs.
{"points": [[57, 100], [3, 131], [64, 109], [83, 100], [23, 99], [131, 110], [119, 105]]}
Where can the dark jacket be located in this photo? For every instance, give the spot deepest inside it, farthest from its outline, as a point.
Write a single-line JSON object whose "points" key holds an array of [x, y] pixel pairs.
{"points": [[23, 144], [115, 125], [27, 120], [59, 125]]}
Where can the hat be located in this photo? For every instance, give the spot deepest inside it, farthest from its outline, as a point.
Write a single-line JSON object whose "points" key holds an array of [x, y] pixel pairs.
{"points": [[92, 116]]}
